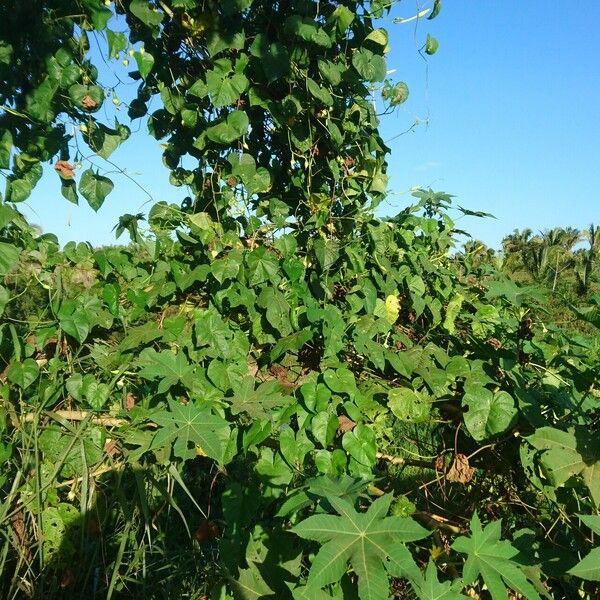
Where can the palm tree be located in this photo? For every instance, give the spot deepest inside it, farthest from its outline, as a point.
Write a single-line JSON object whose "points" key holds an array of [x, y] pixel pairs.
{"points": [[586, 259], [513, 248], [559, 242], [477, 254]]}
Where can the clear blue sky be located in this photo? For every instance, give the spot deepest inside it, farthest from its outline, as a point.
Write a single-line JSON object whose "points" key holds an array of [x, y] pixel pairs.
{"points": [[509, 113]]}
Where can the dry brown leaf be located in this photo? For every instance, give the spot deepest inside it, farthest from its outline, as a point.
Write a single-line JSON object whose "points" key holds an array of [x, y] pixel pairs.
{"points": [[460, 471], [207, 530], [68, 579], [89, 103], [440, 464], [345, 424], [111, 448], [18, 524], [281, 373], [65, 169], [495, 343], [129, 401]]}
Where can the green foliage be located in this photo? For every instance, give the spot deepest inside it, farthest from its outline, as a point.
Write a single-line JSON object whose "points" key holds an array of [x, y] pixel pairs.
{"points": [[368, 540], [183, 416], [589, 567], [494, 559]]}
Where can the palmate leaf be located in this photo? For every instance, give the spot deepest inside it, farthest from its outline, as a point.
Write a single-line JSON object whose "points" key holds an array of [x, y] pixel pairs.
{"points": [[168, 367], [257, 403], [494, 560], [192, 431], [372, 542], [429, 588]]}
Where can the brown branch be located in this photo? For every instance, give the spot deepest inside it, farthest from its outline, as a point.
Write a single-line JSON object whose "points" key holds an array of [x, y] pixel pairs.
{"points": [[398, 460], [432, 521], [82, 415]]}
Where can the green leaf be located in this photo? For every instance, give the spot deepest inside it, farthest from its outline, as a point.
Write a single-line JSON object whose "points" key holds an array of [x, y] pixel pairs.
{"points": [[9, 256], [360, 444], [341, 381], [139, 336], [6, 144], [79, 93], [588, 567], [452, 311], [344, 17], [94, 188], [591, 521], [437, 7], [4, 298], [320, 93], [39, 102], [310, 593], [590, 314], [363, 539], [23, 374], [330, 71], [291, 343], [495, 560], [212, 331], [408, 405], [225, 90], [99, 14], [145, 62], [234, 127], [75, 323], [570, 453], [488, 413], [392, 308], [18, 190], [170, 368], [257, 403], [370, 66], [145, 13], [262, 265], [104, 140], [198, 89], [429, 588], [117, 43], [431, 45], [227, 267], [191, 431], [68, 189], [327, 252], [96, 394], [277, 310], [250, 584], [6, 52], [379, 37]]}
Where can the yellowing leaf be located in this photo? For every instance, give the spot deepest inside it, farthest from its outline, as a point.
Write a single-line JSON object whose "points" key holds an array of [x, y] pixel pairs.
{"points": [[392, 308], [436, 552]]}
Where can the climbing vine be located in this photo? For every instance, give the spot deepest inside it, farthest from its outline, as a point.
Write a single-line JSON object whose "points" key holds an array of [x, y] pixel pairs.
{"points": [[270, 392]]}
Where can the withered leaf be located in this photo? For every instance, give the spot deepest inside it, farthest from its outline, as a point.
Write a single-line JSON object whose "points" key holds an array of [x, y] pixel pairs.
{"points": [[345, 424], [129, 401], [207, 530], [65, 169], [460, 471], [89, 103]]}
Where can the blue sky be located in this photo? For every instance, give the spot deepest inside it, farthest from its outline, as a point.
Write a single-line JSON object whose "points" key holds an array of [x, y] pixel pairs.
{"points": [[508, 121]]}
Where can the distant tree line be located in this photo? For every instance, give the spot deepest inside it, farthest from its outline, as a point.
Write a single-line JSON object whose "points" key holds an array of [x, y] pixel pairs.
{"points": [[563, 258]]}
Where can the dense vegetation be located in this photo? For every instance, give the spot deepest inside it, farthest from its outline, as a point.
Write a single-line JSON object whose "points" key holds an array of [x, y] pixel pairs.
{"points": [[271, 392]]}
